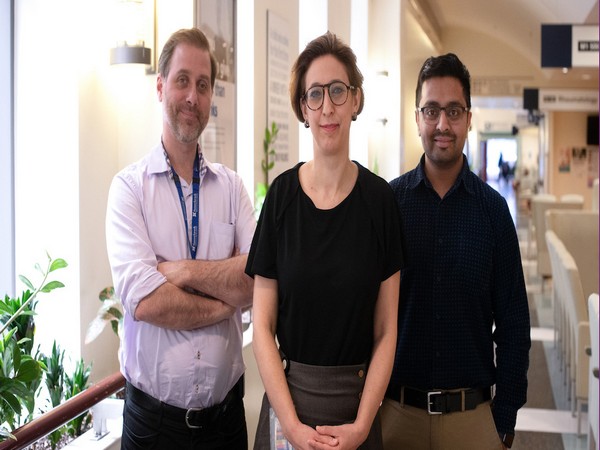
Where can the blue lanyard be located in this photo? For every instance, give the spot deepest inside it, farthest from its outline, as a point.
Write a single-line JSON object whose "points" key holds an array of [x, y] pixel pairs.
{"points": [[193, 244]]}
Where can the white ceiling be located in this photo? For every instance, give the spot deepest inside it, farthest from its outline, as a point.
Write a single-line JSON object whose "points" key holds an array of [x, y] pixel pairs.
{"points": [[515, 22]]}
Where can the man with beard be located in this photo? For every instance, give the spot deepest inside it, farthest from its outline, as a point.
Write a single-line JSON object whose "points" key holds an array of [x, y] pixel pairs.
{"points": [[460, 370], [178, 231]]}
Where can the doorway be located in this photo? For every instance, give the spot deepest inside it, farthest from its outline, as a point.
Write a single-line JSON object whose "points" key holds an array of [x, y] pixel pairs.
{"points": [[501, 159]]}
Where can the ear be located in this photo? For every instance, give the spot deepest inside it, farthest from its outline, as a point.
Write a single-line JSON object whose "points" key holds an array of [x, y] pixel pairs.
{"points": [[159, 87], [356, 100], [417, 120], [304, 109]]}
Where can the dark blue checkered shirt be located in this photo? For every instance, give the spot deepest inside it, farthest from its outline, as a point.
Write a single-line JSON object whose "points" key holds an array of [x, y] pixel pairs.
{"points": [[464, 318]]}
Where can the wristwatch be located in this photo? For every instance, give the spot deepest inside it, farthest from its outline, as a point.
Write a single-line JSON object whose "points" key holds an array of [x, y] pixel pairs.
{"points": [[507, 439]]}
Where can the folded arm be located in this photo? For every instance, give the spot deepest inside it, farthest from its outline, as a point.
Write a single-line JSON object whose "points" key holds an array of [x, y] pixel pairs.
{"points": [[168, 306], [223, 279]]}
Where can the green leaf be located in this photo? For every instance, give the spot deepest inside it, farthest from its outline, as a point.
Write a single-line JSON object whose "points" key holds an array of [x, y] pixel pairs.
{"points": [[107, 293], [115, 313], [261, 189], [58, 263], [51, 286], [26, 281], [29, 371], [12, 401], [4, 308]]}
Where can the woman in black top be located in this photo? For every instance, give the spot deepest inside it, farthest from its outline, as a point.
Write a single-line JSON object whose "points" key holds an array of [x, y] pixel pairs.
{"points": [[326, 257]]}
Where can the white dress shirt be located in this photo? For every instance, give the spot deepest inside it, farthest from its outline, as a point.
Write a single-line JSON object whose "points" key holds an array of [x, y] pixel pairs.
{"points": [[145, 226]]}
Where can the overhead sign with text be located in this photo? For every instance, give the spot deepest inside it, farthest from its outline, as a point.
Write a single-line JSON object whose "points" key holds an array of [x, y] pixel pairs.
{"points": [[569, 45]]}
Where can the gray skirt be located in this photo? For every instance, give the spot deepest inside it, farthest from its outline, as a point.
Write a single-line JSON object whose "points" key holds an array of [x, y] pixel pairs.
{"points": [[322, 395]]}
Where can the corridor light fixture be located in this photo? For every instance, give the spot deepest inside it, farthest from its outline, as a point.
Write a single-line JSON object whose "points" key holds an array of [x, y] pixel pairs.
{"points": [[124, 53], [381, 88], [130, 44]]}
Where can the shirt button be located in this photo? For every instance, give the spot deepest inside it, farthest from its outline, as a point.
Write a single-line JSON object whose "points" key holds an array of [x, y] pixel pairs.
{"points": [[361, 373]]}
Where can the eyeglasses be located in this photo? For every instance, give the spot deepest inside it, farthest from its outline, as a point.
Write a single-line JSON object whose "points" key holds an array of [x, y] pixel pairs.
{"points": [[431, 114], [338, 93]]}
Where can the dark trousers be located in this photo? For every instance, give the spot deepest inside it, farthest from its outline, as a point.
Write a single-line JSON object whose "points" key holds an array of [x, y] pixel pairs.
{"points": [[151, 425]]}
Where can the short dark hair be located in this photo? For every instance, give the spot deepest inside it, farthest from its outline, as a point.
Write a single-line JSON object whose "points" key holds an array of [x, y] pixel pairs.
{"points": [[192, 36], [447, 65], [327, 44]]}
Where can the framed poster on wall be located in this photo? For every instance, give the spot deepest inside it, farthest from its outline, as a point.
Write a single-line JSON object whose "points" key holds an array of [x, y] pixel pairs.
{"points": [[216, 19], [278, 78]]}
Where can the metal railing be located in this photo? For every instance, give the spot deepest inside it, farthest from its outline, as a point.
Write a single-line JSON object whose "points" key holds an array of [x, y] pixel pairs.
{"points": [[67, 411]]}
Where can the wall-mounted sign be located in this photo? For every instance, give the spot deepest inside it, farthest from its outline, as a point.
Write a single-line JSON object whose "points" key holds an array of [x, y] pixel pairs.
{"points": [[568, 100], [278, 78], [216, 18], [569, 45]]}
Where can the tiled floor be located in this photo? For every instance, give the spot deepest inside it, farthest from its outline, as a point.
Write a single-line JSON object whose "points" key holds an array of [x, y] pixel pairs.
{"points": [[559, 420]]}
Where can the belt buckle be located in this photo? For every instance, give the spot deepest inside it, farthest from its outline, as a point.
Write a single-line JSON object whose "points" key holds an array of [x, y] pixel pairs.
{"points": [[187, 418], [430, 402]]}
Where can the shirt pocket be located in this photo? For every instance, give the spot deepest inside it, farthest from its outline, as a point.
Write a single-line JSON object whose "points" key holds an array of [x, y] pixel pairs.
{"points": [[221, 241]]}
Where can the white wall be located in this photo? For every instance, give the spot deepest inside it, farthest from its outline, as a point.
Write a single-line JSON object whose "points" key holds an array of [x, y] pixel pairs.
{"points": [[385, 55], [47, 158]]}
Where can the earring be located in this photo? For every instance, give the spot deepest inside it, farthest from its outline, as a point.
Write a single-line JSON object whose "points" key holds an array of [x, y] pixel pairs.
{"points": [[306, 125], [354, 117]]}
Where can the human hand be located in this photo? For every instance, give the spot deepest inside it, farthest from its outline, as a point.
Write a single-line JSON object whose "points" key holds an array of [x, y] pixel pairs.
{"points": [[348, 437], [303, 437]]}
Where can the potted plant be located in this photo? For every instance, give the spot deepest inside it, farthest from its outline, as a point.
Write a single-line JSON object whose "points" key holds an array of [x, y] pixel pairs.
{"points": [[21, 367]]}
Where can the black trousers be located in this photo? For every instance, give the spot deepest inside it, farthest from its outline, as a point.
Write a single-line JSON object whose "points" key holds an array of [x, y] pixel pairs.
{"points": [[151, 425]]}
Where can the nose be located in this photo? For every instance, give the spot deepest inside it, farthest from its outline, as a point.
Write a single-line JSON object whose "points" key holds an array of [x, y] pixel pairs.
{"points": [[192, 96], [443, 124], [328, 105]]}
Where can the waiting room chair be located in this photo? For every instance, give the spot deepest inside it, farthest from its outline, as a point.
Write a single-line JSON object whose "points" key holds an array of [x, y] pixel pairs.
{"points": [[577, 331], [578, 231], [540, 204]]}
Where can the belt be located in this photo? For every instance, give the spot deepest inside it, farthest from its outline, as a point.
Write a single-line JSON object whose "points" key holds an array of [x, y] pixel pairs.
{"points": [[443, 402], [193, 417]]}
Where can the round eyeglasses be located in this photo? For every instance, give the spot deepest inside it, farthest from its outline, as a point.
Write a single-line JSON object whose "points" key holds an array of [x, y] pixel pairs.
{"points": [[338, 93], [431, 114]]}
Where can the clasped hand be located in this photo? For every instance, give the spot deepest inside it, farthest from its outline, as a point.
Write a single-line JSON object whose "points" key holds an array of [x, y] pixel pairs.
{"points": [[339, 437]]}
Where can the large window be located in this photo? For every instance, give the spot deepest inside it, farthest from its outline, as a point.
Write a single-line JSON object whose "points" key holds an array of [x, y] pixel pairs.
{"points": [[7, 241]]}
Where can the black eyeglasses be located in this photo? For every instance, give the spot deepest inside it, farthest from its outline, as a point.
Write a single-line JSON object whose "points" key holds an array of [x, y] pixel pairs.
{"points": [[338, 93], [431, 114]]}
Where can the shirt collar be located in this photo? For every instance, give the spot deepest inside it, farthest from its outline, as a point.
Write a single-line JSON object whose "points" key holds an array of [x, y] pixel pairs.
{"points": [[463, 178], [157, 162]]}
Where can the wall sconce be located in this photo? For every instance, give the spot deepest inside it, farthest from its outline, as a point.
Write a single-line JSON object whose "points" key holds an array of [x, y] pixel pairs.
{"points": [[381, 87], [130, 46]]}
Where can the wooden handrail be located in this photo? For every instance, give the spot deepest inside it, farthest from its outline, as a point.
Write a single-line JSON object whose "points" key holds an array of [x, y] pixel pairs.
{"points": [[65, 412]]}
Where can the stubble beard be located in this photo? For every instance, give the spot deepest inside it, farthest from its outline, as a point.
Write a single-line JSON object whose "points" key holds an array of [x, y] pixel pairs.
{"points": [[184, 132]]}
